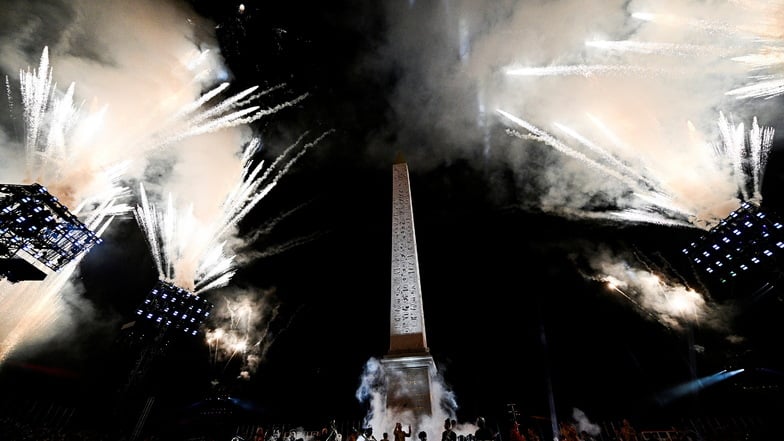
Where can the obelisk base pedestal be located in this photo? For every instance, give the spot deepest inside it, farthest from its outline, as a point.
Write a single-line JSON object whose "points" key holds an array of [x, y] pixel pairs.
{"points": [[407, 380]]}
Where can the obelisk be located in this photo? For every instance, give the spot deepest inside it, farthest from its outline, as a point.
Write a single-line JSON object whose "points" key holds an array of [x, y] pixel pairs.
{"points": [[408, 367]]}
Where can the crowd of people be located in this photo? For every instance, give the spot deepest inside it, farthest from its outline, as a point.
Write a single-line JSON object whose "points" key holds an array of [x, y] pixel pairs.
{"points": [[18, 428], [620, 430], [481, 432]]}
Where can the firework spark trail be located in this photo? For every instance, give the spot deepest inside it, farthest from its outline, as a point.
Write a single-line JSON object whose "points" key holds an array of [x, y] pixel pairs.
{"points": [[226, 343], [760, 142], [652, 294], [242, 199], [191, 122], [49, 162], [36, 306], [36, 86], [761, 42], [30, 309], [672, 306], [734, 145], [270, 224], [750, 150], [242, 326], [213, 338], [50, 155], [586, 70], [712, 27], [239, 314], [656, 48], [734, 156], [148, 219], [214, 119], [233, 102], [54, 146], [84, 155], [763, 89], [275, 249], [655, 197], [202, 122], [768, 57], [615, 141], [655, 194], [191, 253], [625, 169], [560, 146], [247, 196], [742, 152], [105, 203], [203, 100], [614, 284], [172, 235]]}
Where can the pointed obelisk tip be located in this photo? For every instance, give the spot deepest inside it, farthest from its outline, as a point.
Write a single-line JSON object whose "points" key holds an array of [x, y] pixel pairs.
{"points": [[399, 159]]}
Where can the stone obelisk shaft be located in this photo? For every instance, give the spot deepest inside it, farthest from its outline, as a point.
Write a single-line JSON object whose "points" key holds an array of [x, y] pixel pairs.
{"points": [[408, 367], [407, 320]]}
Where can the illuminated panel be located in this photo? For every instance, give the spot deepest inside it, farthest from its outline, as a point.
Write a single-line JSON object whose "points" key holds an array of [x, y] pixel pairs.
{"points": [[171, 307], [407, 327], [745, 241], [34, 225]]}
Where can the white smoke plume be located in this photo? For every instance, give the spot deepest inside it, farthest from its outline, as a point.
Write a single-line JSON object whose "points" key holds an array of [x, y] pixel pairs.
{"points": [[137, 92], [584, 423], [371, 392], [645, 80], [656, 295], [190, 249], [238, 333]]}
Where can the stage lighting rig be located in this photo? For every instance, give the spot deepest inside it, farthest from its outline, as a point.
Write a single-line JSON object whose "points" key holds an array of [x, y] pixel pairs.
{"points": [[38, 235], [169, 307], [743, 246], [166, 313]]}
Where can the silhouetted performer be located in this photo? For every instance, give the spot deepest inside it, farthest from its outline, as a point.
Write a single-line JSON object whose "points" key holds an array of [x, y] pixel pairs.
{"points": [[449, 433], [568, 432], [514, 434], [483, 433], [399, 434], [332, 431], [627, 432]]}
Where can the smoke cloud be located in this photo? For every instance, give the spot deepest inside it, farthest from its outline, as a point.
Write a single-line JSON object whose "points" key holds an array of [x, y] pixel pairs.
{"points": [[643, 81], [372, 393], [657, 296], [129, 88], [585, 424], [239, 333]]}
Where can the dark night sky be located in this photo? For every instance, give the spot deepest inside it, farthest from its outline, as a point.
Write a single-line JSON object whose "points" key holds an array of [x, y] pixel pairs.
{"points": [[508, 298]]}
